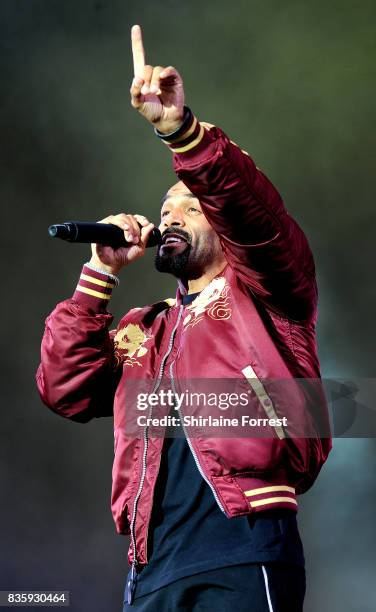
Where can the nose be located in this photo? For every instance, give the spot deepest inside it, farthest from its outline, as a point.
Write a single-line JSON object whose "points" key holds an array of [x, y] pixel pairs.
{"points": [[174, 218]]}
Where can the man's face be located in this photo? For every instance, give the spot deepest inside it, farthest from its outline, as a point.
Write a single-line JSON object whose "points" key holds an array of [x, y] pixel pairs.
{"points": [[189, 244]]}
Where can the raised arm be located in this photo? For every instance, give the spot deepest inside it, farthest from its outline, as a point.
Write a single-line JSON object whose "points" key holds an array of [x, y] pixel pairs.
{"points": [[261, 241]]}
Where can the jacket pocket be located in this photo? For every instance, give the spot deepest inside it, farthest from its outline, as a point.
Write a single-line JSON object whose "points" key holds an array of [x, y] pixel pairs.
{"points": [[264, 398]]}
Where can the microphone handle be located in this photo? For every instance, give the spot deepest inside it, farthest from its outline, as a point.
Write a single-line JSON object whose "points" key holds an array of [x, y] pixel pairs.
{"points": [[101, 233]]}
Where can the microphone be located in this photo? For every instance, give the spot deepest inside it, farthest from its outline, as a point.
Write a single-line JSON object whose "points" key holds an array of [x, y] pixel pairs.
{"points": [[101, 233]]}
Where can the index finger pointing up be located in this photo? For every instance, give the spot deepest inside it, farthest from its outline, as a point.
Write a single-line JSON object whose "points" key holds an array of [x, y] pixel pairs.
{"points": [[138, 51]]}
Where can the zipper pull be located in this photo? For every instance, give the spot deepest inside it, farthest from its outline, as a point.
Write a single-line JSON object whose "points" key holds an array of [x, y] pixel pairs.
{"points": [[131, 584]]}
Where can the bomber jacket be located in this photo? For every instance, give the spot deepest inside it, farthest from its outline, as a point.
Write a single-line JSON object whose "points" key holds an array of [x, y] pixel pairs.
{"points": [[254, 321]]}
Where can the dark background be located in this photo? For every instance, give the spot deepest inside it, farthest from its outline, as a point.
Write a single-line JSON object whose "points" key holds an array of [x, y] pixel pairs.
{"points": [[293, 83]]}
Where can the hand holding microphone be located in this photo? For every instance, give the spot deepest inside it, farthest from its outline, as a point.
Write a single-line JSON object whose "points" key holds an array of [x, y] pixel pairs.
{"points": [[113, 259], [119, 248]]}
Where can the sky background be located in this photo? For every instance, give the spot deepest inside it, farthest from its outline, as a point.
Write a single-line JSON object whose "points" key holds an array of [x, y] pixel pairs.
{"points": [[292, 83]]}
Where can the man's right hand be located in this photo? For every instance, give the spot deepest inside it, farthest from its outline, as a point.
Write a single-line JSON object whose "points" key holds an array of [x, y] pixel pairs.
{"points": [[113, 260]]}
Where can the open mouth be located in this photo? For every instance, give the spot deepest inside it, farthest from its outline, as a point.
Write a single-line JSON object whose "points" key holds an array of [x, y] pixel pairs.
{"points": [[172, 238]]}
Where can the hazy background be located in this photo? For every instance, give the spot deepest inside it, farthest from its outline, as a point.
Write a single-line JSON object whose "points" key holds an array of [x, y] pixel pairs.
{"points": [[293, 83]]}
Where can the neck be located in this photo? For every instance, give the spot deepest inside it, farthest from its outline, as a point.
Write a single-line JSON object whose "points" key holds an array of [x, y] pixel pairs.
{"points": [[198, 284]]}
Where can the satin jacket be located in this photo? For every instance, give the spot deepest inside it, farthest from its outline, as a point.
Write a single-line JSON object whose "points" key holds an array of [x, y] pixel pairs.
{"points": [[254, 323]]}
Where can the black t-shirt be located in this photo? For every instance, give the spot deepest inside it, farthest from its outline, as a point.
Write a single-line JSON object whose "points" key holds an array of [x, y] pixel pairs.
{"points": [[188, 532]]}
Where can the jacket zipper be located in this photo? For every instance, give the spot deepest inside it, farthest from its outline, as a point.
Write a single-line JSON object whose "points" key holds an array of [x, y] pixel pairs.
{"points": [[191, 447], [146, 441]]}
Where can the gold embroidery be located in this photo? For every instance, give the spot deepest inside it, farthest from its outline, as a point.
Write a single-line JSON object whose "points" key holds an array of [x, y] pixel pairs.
{"points": [[128, 344], [170, 301], [213, 300]]}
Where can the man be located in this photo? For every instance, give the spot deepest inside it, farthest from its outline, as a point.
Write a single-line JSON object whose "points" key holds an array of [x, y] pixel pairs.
{"points": [[212, 520]]}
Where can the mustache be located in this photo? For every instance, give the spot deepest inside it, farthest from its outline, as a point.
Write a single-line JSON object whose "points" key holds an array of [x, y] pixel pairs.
{"points": [[178, 232]]}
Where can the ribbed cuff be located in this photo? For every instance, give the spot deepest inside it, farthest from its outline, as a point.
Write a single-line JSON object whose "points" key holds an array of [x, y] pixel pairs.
{"points": [[94, 288], [190, 138], [113, 278]]}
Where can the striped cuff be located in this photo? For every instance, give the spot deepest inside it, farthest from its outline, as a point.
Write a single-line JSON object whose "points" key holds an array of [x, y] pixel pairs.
{"points": [[189, 138], [271, 496], [94, 289], [112, 278]]}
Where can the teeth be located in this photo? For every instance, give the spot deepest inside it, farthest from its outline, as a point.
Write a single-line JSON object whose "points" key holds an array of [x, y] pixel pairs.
{"points": [[172, 239]]}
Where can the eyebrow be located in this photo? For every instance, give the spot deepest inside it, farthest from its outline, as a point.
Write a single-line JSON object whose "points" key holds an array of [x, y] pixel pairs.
{"points": [[186, 194]]}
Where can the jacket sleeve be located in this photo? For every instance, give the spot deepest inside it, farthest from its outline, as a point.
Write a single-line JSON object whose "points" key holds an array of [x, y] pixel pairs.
{"points": [[78, 375], [263, 244]]}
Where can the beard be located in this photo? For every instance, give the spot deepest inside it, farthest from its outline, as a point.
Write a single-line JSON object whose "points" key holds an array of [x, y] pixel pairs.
{"points": [[178, 264], [186, 265]]}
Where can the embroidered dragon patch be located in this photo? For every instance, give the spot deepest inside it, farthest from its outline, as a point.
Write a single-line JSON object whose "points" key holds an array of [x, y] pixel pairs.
{"points": [[128, 344], [213, 300]]}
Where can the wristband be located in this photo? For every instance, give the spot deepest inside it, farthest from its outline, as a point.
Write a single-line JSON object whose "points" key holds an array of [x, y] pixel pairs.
{"points": [[173, 135]]}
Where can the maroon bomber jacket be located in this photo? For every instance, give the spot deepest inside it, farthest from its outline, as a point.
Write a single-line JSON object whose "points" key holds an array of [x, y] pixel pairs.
{"points": [[255, 322]]}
